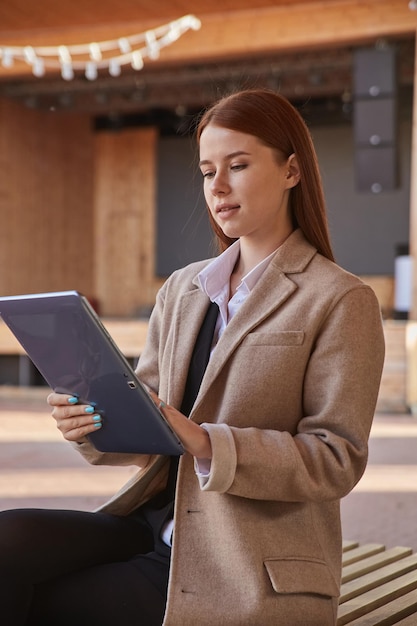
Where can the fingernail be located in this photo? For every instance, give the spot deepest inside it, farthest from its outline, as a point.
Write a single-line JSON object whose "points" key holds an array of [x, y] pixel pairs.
{"points": [[73, 400], [97, 418], [89, 409], [98, 425]]}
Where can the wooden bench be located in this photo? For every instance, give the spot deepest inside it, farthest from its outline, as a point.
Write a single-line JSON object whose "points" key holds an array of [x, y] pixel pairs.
{"points": [[379, 586]]}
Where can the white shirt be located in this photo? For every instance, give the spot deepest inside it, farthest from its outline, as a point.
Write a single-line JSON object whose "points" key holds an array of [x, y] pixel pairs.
{"points": [[214, 280]]}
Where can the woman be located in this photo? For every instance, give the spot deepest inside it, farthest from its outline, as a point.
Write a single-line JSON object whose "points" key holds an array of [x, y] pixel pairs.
{"points": [[276, 436]]}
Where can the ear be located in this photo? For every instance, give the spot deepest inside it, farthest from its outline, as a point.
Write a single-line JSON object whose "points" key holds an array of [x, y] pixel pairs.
{"points": [[293, 171]]}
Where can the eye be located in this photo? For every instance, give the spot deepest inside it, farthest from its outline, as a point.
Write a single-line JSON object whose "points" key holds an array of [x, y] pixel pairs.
{"points": [[238, 166], [208, 174]]}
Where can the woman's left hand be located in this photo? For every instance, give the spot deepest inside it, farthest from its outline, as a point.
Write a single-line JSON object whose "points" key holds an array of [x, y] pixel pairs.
{"points": [[195, 439]]}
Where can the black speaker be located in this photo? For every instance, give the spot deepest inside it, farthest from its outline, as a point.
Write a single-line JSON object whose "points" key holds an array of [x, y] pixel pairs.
{"points": [[375, 119], [374, 72], [376, 169], [375, 122]]}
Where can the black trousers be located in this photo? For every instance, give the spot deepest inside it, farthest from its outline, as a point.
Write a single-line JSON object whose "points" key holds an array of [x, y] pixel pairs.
{"points": [[60, 568]]}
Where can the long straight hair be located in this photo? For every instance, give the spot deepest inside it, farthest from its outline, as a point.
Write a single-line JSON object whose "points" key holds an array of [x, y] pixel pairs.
{"points": [[273, 120]]}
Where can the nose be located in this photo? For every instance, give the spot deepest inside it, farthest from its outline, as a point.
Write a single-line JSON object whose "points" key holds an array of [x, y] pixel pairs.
{"points": [[219, 184]]}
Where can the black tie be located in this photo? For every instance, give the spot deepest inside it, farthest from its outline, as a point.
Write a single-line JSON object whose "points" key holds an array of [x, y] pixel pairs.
{"points": [[200, 358]]}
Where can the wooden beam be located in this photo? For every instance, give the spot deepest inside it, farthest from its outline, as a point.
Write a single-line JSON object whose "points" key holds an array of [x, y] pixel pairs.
{"points": [[223, 36], [300, 26]]}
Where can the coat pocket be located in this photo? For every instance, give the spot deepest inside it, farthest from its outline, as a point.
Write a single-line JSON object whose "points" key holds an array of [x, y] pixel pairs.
{"points": [[301, 575]]}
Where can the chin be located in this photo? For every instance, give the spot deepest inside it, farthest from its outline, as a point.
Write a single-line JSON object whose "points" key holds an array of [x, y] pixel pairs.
{"points": [[231, 233]]}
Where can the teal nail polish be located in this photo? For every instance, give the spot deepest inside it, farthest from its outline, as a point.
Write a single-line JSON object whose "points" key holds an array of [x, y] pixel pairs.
{"points": [[98, 425], [97, 418], [89, 409], [73, 400]]}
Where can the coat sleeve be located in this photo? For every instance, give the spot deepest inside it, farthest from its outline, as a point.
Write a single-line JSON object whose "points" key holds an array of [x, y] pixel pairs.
{"points": [[326, 455], [96, 457]]}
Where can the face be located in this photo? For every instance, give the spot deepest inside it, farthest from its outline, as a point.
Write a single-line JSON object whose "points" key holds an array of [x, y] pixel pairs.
{"points": [[245, 186]]}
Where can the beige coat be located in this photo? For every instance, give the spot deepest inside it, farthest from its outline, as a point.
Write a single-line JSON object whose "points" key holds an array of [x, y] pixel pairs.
{"points": [[288, 397]]}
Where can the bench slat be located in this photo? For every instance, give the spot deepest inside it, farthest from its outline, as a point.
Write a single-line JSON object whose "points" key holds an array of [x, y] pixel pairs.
{"points": [[402, 612], [377, 578], [411, 620], [370, 564], [375, 598], [347, 544], [357, 554]]}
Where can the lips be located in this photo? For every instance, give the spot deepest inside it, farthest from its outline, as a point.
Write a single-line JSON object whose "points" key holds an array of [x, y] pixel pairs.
{"points": [[224, 208]]}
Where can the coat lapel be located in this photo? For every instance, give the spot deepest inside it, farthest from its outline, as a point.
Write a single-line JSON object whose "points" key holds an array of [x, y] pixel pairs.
{"points": [[249, 316], [273, 289]]}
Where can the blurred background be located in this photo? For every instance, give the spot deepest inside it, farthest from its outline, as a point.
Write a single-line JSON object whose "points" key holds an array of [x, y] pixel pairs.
{"points": [[99, 189]]}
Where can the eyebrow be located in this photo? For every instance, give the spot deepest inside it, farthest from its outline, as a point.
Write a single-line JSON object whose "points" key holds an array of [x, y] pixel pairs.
{"points": [[232, 155]]}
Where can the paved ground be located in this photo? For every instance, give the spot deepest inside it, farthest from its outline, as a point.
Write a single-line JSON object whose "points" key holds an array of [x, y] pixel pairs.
{"points": [[38, 468]]}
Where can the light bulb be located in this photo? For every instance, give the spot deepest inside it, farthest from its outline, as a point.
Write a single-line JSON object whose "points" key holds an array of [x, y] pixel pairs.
{"points": [[114, 68], [64, 55], [124, 45], [152, 44], [95, 52], [7, 57], [137, 60], [38, 67], [29, 54], [90, 71], [67, 71]]}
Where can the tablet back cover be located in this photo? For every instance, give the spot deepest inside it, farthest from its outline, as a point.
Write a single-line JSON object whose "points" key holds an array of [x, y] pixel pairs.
{"points": [[73, 351]]}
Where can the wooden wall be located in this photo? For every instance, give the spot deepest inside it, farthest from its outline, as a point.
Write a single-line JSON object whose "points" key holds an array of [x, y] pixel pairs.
{"points": [[46, 219], [124, 203], [77, 209]]}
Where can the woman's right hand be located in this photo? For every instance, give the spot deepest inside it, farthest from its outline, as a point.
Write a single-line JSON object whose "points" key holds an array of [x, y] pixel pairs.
{"points": [[75, 421]]}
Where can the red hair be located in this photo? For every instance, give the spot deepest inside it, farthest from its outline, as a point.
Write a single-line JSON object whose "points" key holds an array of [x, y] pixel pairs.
{"points": [[271, 118]]}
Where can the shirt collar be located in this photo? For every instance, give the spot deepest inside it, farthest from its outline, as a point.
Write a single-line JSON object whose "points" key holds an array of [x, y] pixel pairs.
{"points": [[217, 273], [213, 278]]}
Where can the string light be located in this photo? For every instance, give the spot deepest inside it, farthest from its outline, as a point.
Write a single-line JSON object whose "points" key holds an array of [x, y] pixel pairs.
{"points": [[95, 52], [38, 67], [105, 55], [137, 60], [151, 45], [124, 45], [114, 68], [64, 55], [91, 70]]}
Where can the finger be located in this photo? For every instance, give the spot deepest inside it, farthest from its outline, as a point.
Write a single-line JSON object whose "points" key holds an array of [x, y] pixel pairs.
{"points": [[159, 403], [66, 411], [59, 399], [78, 427], [154, 397]]}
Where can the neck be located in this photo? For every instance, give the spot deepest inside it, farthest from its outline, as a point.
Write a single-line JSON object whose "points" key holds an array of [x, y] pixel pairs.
{"points": [[252, 253]]}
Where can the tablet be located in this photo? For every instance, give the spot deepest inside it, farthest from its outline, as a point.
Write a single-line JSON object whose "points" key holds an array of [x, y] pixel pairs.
{"points": [[65, 339]]}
